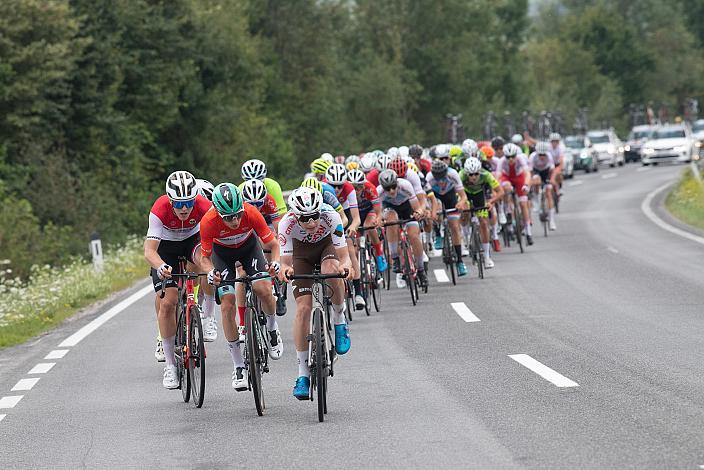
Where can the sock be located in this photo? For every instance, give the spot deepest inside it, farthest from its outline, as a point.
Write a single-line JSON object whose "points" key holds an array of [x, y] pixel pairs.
{"points": [[236, 353], [303, 370], [169, 347], [338, 314], [458, 250], [271, 324], [529, 230], [552, 213], [495, 232], [240, 315], [378, 249], [419, 263], [393, 249], [466, 230], [208, 306], [486, 249]]}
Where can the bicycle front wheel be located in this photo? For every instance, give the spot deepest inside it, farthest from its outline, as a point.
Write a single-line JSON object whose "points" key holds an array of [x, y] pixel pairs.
{"points": [[410, 281], [479, 251], [181, 348], [365, 277], [321, 369], [518, 223], [254, 360], [387, 273], [196, 358]]}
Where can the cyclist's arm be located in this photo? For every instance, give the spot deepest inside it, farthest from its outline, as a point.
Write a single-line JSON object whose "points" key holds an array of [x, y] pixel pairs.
{"points": [[286, 264], [273, 246], [355, 220], [150, 253]]}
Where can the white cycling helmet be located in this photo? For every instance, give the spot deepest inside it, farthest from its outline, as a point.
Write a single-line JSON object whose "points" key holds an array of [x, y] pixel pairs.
{"points": [[205, 188], [392, 152], [517, 139], [542, 148], [470, 148], [181, 186], [472, 165], [511, 149], [253, 170], [305, 201], [367, 162], [442, 151], [388, 178], [254, 192], [336, 174], [352, 158], [356, 176], [328, 156], [382, 162], [555, 136], [403, 151]]}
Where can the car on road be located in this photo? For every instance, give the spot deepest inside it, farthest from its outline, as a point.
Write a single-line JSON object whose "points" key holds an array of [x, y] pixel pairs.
{"points": [[583, 154], [698, 132], [608, 146], [670, 143], [638, 136]]}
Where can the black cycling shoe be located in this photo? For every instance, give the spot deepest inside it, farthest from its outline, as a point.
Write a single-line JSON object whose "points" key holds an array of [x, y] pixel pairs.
{"points": [[529, 239], [280, 306], [396, 265], [422, 279]]}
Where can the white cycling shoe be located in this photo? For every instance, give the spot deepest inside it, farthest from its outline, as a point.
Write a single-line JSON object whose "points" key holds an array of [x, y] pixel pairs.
{"points": [[239, 379], [210, 329], [488, 263], [170, 377], [276, 344], [552, 225], [400, 281], [502, 218], [159, 353], [359, 302]]}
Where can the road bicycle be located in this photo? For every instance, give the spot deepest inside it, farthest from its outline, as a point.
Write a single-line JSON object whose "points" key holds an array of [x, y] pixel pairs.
{"points": [[256, 350], [517, 220], [370, 279], [410, 272], [321, 350], [190, 347], [473, 240], [543, 213], [449, 255]]}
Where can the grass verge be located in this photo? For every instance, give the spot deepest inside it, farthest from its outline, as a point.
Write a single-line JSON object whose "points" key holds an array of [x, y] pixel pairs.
{"points": [[686, 200], [53, 294]]}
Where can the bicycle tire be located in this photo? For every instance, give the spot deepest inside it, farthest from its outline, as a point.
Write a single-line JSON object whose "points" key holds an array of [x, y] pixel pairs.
{"points": [[543, 212], [518, 222], [479, 252], [364, 277], [254, 370], [196, 355], [387, 274], [375, 288], [184, 378], [320, 367], [407, 273], [349, 300], [451, 262]]}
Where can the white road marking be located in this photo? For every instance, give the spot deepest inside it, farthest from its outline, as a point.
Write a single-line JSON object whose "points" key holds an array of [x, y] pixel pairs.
{"points": [[10, 401], [612, 249], [56, 354], [464, 312], [2, 417], [609, 175], [544, 371], [644, 168], [436, 253], [25, 384], [440, 275], [645, 207], [575, 183], [75, 338], [42, 368]]}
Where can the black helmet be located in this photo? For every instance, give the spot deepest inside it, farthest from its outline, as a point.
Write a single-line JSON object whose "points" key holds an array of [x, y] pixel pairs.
{"points": [[433, 152], [415, 151], [497, 142], [438, 169]]}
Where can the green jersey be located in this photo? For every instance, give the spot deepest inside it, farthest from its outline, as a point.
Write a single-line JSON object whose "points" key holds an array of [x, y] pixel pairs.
{"points": [[486, 181]]}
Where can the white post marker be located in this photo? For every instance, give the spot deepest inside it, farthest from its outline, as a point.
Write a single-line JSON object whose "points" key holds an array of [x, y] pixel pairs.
{"points": [[544, 371], [96, 251], [25, 384], [10, 401], [464, 312], [441, 275]]}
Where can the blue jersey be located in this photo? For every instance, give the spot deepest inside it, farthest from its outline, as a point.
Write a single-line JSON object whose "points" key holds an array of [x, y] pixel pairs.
{"points": [[330, 197]]}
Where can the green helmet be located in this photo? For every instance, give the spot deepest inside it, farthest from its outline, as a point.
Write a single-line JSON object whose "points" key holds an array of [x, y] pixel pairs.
{"points": [[455, 151], [320, 166], [227, 199]]}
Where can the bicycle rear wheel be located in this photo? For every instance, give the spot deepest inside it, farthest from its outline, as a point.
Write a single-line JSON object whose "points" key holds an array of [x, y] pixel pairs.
{"points": [[254, 370], [479, 252], [518, 222], [364, 278], [321, 370], [196, 358], [184, 378]]}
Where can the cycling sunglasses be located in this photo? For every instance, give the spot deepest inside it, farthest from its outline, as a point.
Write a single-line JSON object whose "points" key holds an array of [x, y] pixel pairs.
{"points": [[472, 174], [181, 204], [308, 217], [231, 217], [390, 188], [257, 204]]}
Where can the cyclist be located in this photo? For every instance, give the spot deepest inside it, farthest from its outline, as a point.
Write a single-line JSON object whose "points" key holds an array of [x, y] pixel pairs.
{"points": [[497, 143], [369, 212], [174, 224], [207, 300], [457, 156], [312, 234], [382, 163], [447, 187], [230, 235], [205, 188], [491, 164], [517, 139], [399, 200], [545, 175], [557, 152], [415, 151], [329, 195], [476, 180], [514, 175], [256, 170], [319, 167], [366, 164]]}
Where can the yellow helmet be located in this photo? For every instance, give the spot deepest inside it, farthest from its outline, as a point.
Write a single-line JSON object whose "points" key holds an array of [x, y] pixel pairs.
{"points": [[352, 166], [320, 166], [455, 151], [312, 183], [412, 166]]}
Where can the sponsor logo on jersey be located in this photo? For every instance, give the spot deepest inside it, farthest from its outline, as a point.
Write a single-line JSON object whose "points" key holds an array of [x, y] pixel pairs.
{"points": [[282, 239]]}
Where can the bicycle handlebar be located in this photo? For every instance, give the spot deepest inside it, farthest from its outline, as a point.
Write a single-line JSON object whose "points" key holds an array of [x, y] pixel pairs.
{"points": [[318, 276], [399, 222], [365, 229], [186, 275]]}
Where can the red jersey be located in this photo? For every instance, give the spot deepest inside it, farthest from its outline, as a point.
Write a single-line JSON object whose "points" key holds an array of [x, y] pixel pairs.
{"points": [[373, 177], [347, 196], [269, 209], [164, 224], [214, 230], [368, 198]]}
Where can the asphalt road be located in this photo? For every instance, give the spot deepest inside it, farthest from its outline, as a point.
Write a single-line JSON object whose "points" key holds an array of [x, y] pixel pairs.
{"points": [[610, 303]]}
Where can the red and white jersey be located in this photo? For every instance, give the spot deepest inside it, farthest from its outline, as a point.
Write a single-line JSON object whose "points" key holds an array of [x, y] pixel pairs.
{"points": [[164, 224], [330, 224], [347, 196], [214, 230], [373, 177]]}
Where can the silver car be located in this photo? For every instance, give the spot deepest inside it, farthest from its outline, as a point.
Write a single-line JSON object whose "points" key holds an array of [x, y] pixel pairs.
{"points": [[608, 146]]}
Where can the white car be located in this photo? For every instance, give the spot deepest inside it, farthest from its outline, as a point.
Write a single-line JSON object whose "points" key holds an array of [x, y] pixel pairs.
{"points": [[608, 147], [669, 143], [698, 132]]}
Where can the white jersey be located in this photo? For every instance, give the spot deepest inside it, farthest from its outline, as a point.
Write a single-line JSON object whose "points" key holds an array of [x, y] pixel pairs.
{"points": [[541, 163], [330, 224], [404, 193], [415, 181]]}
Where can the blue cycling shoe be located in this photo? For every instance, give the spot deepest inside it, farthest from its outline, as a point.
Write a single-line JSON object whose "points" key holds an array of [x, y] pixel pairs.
{"points": [[461, 269], [342, 339], [302, 387], [381, 263], [438, 243]]}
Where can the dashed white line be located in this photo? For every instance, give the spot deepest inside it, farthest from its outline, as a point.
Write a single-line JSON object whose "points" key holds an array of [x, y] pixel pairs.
{"points": [[575, 183], [25, 384], [2, 417], [436, 253], [544, 371], [464, 312], [609, 175], [441, 275], [56, 354], [10, 401], [42, 368], [75, 338], [612, 249], [644, 168], [645, 207]]}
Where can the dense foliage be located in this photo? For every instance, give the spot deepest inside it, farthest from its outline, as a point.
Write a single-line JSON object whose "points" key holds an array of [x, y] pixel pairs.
{"points": [[101, 99]]}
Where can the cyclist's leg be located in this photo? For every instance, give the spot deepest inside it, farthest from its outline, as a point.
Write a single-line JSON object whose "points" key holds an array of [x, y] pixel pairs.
{"points": [[390, 215], [329, 264], [523, 201], [413, 230]]}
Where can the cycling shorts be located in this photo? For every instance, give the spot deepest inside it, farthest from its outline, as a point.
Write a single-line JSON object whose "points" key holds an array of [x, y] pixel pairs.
{"points": [[305, 257], [478, 200], [544, 175], [250, 256], [449, 201], [517, 183], [170, 251], [404, 211]]}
